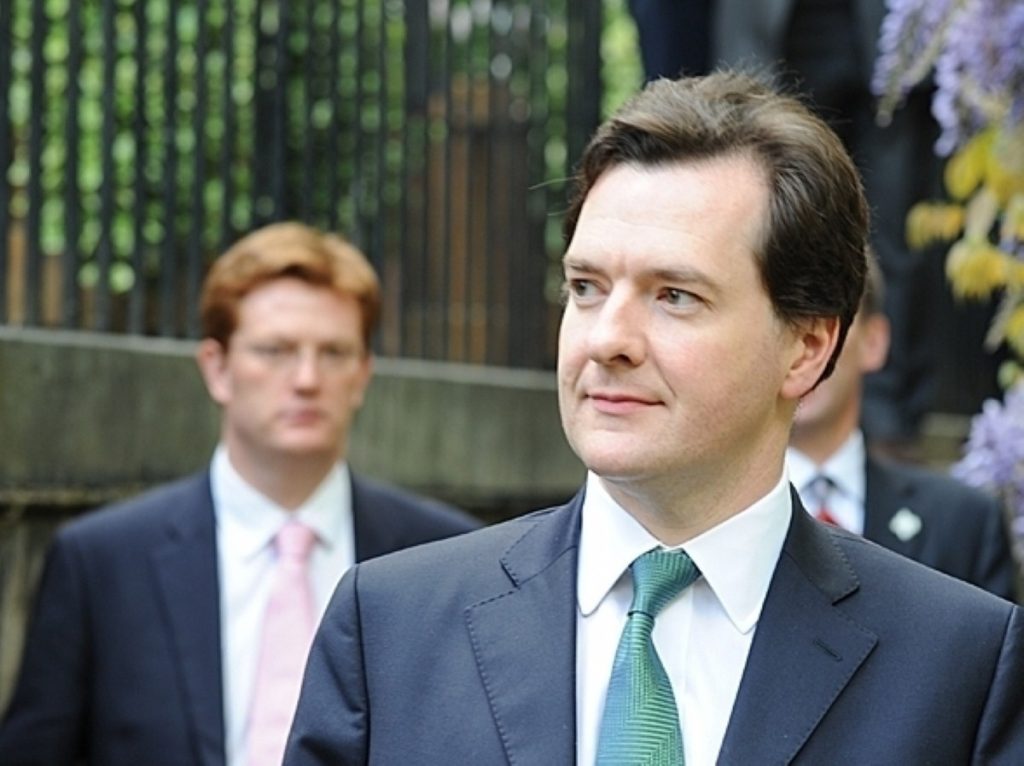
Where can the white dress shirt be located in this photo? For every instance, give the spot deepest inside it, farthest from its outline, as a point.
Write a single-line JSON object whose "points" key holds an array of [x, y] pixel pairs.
{"points": [[247, 523], [845, 468], [702, 637]]}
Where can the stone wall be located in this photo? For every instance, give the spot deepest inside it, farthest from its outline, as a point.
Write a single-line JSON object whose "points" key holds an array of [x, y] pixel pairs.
{"points": [[89, 418]]}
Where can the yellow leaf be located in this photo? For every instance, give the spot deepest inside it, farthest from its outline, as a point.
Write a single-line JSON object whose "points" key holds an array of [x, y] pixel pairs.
{"points": [[1003, 182], [1004, 163], [966, 168], [975, 268], [929, 222], [981, 214]]}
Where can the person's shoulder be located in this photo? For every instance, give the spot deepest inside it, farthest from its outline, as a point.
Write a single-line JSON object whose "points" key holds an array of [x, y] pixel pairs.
{"points": [[412, 507], [954, 493], [140, 514], [480, 550], [889, 582]]}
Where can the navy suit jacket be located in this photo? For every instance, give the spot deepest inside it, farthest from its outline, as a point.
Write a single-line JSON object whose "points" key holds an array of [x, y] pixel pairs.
{"points": [[962, 530], [122, 662], [754, 33], [463, 651]]}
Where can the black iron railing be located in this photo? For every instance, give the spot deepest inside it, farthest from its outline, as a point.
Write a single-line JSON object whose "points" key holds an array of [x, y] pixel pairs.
{"points": [[142, 136]]}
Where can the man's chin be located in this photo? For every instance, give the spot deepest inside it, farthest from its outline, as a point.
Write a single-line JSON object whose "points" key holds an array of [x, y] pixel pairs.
{"points": [[618, 466], [307, 447]]}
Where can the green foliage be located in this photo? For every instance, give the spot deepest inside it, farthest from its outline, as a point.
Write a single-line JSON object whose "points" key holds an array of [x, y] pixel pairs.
{"points": [[622, 73], [152, 133]]}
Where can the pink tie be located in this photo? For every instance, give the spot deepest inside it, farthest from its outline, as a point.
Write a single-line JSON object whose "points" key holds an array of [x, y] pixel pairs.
{"points": [[287, 633]]}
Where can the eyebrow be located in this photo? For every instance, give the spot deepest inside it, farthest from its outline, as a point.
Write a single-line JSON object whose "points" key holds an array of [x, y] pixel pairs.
{"points": [[577, 264], [681, 275]]}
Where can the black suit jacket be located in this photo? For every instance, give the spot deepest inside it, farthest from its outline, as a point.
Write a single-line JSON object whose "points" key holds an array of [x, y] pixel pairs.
{"points": [[962, 530], [463, 652], [122, 662], [754, 33]]}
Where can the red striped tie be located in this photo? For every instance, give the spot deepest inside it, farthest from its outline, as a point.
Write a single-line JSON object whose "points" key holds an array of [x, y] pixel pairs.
{"points": [[821, 488]]}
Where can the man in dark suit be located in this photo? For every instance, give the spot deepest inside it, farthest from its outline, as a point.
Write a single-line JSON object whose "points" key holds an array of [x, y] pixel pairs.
{"points": [[929, 517], [152, 625], [827, 50], [675, 36], [684, 606]]}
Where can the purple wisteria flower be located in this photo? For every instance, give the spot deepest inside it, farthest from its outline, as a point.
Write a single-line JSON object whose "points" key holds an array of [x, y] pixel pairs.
{"points": [[975, 50], [994, 454], [908, 44]]}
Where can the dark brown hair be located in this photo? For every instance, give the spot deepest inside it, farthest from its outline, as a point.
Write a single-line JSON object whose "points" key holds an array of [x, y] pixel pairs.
{"points": [[812, 254], [873, 300]]}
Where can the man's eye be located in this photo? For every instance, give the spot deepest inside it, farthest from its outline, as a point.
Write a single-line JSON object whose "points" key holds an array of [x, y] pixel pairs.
{"points": [[271, 350], [581, 288], [339, 353], [676, 297]]}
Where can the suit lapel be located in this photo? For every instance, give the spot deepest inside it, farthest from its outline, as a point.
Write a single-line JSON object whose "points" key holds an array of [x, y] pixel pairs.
{"points": [[371, 537], [804, 653], [186, 573], [887, 495], [524, 641]]}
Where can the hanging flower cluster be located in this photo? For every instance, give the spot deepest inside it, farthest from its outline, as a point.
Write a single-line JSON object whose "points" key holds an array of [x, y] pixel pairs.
{"points": [[974, 49], [994, 456]]}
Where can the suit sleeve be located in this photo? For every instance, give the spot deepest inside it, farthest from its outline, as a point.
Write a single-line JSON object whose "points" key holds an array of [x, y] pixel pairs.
{"points": [[1000, 739], [331, 723], [45, 723]]}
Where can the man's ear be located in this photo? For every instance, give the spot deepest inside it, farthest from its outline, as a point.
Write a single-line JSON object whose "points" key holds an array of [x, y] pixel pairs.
{"points": [[815, 340], [212, 361], [874, 344], [363, 381]]}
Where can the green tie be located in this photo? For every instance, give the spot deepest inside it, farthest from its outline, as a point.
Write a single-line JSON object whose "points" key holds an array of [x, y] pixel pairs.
{"points": [[640, 726]]}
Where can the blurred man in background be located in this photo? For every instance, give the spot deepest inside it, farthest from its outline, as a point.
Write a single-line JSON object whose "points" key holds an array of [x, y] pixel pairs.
{"points": [[929, 517], [173, 628]]}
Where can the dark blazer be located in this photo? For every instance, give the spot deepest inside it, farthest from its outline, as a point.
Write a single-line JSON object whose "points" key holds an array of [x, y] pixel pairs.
{"points": [[463, 652], [743, 32], [122, 662], [961, 531], [675, 36]]}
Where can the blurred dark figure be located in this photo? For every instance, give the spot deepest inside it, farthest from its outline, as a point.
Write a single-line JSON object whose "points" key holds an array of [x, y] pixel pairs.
{"points": [[675, 36], [171, 629], [929, 517], [826, 49]]}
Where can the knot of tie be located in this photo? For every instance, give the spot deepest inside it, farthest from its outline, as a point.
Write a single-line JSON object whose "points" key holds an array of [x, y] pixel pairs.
{"points": [[658, 577], [295, 542], [820, 488]]}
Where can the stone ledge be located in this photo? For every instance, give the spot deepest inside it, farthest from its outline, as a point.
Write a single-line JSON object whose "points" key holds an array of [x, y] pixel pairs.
{"points": [[90, 417]]}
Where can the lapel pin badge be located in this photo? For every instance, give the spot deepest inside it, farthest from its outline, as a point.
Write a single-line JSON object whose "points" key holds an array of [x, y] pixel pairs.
{"points": [[905, 524]]}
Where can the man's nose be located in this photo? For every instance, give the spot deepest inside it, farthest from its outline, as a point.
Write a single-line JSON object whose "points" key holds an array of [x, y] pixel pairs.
{"points": [[306, 373], [618, 335]]}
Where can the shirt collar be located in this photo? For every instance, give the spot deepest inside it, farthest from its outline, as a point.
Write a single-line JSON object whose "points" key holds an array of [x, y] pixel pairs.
{"points": [[736, 558], [845, 467], [254, 519]]}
